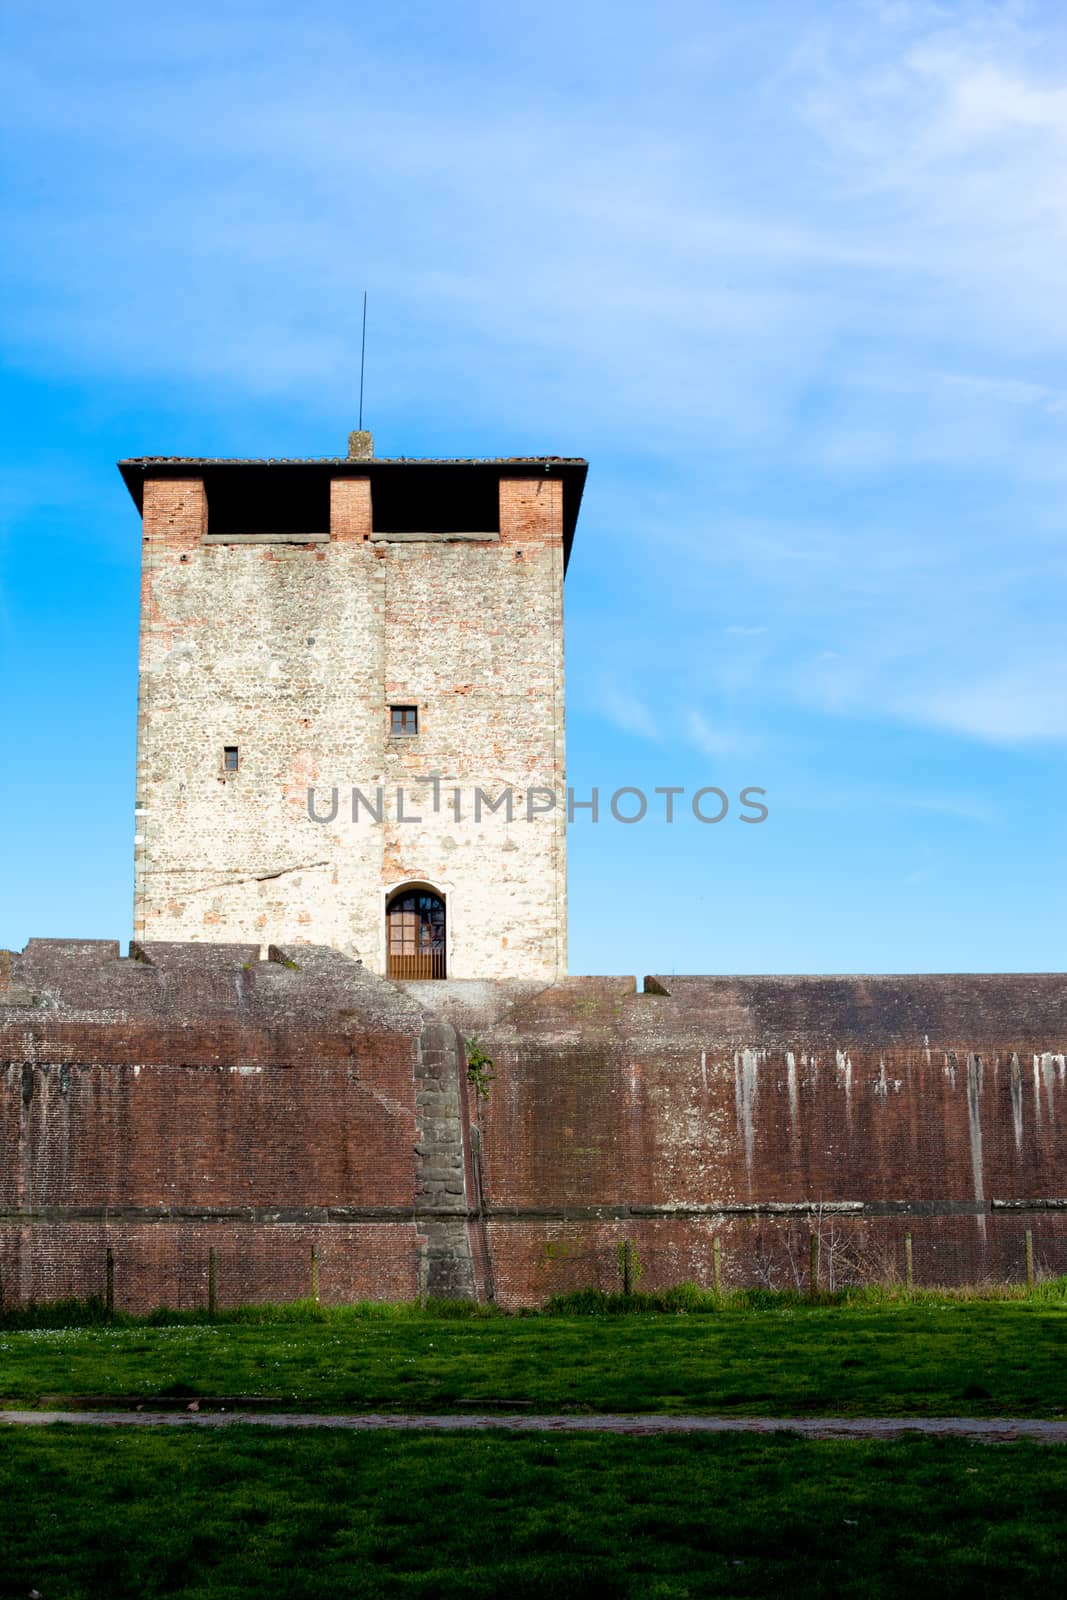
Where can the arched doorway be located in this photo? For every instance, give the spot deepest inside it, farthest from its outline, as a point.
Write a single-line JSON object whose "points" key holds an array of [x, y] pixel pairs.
{"points": [[415, 934]]}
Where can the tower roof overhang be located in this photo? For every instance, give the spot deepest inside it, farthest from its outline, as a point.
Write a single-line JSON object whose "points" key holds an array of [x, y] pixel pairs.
{"points": [[307, 476]]}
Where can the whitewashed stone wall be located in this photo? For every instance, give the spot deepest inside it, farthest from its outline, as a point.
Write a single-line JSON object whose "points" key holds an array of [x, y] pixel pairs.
{"points": [[293, 653]]}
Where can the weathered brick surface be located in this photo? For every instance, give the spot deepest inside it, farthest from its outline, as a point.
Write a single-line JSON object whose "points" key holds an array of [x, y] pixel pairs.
{"points": [[293, 653], [732, 1091], [744, 1108], [167, 1262], [198, 1096], [194, 1097], [351, 518], [535, 1259]]}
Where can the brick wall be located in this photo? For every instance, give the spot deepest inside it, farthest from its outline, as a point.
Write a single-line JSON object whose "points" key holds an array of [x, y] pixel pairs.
{"points": [[198, 1097], [194, 1097], [752, 1111]]}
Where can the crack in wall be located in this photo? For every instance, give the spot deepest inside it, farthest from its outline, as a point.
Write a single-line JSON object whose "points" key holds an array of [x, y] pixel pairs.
{"points": [[252, 877]]}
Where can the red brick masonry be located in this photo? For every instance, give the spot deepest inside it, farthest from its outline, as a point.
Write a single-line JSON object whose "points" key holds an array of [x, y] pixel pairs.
{"points": [[193, 1099]]}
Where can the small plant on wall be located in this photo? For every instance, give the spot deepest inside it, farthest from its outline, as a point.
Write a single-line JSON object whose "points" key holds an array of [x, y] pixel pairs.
{"points": [[480, 1071]]}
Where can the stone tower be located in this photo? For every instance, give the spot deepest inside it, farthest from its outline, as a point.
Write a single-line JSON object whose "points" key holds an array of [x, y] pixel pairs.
{"points": [[346, 665]]}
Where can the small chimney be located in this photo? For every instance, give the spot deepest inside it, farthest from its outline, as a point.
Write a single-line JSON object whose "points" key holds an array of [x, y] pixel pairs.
{"points": [[361, 445]]}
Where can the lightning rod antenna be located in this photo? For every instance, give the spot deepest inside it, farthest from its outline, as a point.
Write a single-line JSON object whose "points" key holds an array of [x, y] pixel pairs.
{"points": [[362, 360]]}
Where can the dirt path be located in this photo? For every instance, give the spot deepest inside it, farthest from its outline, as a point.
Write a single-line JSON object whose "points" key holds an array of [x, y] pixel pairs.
{"points": [[990, 1430]]}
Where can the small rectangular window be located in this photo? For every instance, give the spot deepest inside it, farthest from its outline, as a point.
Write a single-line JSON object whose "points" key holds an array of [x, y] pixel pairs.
{"points": [[403, 719], [231, 760]]}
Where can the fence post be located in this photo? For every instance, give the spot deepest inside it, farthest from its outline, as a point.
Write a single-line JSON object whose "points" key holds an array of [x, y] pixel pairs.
{"points": [[909, 1274], [212, 1295], [109, 1284], [716, 1264], [627, 1269], [315, 1273], [1029, 1259], [813, 1264]]}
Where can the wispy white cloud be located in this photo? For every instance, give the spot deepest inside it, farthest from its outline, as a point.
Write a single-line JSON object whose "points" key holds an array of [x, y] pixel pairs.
{"points": [[715, 741], [859, 799], [808, 266], [687, 726], [1006, 704], [648, 277], [626, 712]]}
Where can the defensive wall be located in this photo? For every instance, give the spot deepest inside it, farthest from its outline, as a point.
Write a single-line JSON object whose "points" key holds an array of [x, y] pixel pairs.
{"points": [[197, 1113]]}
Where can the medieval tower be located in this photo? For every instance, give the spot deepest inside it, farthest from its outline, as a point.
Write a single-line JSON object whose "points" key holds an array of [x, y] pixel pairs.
{"points": [[351, 712]]}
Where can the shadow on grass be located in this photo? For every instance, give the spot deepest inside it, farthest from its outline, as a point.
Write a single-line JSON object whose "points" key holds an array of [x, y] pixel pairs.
{"points": [[294, 1516]]}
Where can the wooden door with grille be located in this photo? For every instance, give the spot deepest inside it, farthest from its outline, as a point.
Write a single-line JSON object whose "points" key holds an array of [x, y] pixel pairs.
{"points": [[415, 934]]}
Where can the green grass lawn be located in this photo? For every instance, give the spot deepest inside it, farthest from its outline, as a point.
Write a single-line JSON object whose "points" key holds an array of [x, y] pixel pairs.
{"points": [[962, 1357], [90, 1512]]}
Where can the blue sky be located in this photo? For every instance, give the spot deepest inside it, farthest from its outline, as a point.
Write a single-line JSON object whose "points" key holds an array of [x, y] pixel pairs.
{"points": [[794, 278]]}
